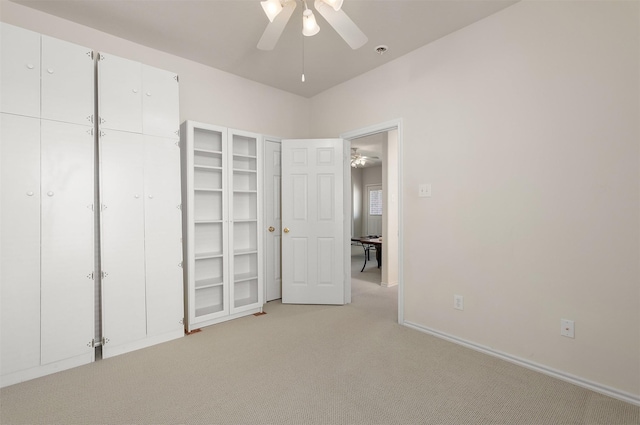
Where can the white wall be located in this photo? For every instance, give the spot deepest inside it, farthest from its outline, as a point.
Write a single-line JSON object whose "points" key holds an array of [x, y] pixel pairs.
{"points": [[206, 94], [526, 124]]}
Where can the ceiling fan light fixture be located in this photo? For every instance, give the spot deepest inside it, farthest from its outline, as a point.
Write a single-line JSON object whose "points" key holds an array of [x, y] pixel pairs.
{"points": [[309, 25], [358, 162], [271, 8], [336, 4]]}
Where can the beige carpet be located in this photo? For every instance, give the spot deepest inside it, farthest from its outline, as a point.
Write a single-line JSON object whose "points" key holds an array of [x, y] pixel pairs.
{"points": [[309, 365]]}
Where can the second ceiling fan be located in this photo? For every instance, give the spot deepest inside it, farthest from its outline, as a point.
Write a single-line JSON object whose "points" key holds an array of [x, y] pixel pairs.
{"points": [[279, 12]]}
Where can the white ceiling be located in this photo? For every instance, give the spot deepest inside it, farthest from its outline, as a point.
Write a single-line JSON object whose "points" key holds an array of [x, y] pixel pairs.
{"points": [[223, 34]]}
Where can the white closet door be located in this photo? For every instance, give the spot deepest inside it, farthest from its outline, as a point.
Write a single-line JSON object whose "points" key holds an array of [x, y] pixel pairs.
{"points": [[67, 82], [273, 218], [122, 219], [67, 261], [120, 93], [160, 102], [163, 233], [19, 71], [20, 243], [314, 263]]}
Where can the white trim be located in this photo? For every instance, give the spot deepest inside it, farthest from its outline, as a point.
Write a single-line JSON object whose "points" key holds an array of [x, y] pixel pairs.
{"points": [[379, 128], [563, 376], [108, 352], [47, 369]]}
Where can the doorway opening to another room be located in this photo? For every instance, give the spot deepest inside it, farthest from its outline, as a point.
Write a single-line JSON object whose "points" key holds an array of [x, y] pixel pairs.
{"points": [[382, 143]]}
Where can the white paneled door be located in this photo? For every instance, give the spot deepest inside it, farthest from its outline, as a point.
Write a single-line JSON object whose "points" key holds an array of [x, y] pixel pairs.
{"points": [[273, 220], [315, 221]]}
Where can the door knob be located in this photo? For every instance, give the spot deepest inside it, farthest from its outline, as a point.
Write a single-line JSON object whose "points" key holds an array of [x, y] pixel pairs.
{"points": [[271, 228], [286, 230]]}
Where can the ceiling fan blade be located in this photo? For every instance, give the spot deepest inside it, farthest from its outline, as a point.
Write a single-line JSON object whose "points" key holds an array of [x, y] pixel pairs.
{"points": [[274, 29], [343, 25]]}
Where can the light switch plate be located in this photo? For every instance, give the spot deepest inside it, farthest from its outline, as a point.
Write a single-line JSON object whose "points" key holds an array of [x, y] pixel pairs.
{"points": [[424, 190], [458, 302]]}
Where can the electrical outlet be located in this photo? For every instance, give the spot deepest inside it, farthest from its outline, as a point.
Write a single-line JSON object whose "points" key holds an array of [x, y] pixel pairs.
{"points": [[567, 328], [458, 302]]}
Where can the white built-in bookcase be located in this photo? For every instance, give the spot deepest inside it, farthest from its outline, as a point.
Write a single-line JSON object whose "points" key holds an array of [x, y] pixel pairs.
{"points": [[221, 217]]}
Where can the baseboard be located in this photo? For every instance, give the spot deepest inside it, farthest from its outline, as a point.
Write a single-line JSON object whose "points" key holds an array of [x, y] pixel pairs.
{"points": [[48, 369], [149, 341], [593, 386]]}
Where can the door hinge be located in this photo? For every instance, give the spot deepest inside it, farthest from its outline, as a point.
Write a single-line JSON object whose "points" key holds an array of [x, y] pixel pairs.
{"points": [[181, 321], [175, 77], [178, 142], [104, 274], [90, 54], [90, 132], [103, 207], [90, 207], [101, 120], [90, 276], [90, 118], [180, 264], [92, 344], [179, 207], [101, 57], [102, 134], [105, 340]]}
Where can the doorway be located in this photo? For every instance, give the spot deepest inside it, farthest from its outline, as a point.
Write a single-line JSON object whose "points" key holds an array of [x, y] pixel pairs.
{"points": [[392, 198], [392, 258]]}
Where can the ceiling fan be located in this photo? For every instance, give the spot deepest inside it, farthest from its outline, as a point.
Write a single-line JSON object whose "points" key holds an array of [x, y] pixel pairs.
{"points": [[279, 12], [359, 160]]}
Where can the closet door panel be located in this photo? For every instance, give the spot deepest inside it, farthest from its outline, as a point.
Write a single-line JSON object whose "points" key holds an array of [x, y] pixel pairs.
{"points": [[19, 71], [67, 82], [163, 233], [120, 93], [122, 218], [160, 102], [67, 249], [20, 243]]}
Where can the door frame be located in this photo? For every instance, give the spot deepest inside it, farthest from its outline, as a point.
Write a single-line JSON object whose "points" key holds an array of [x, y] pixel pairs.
{"points": [[395, 124]]}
